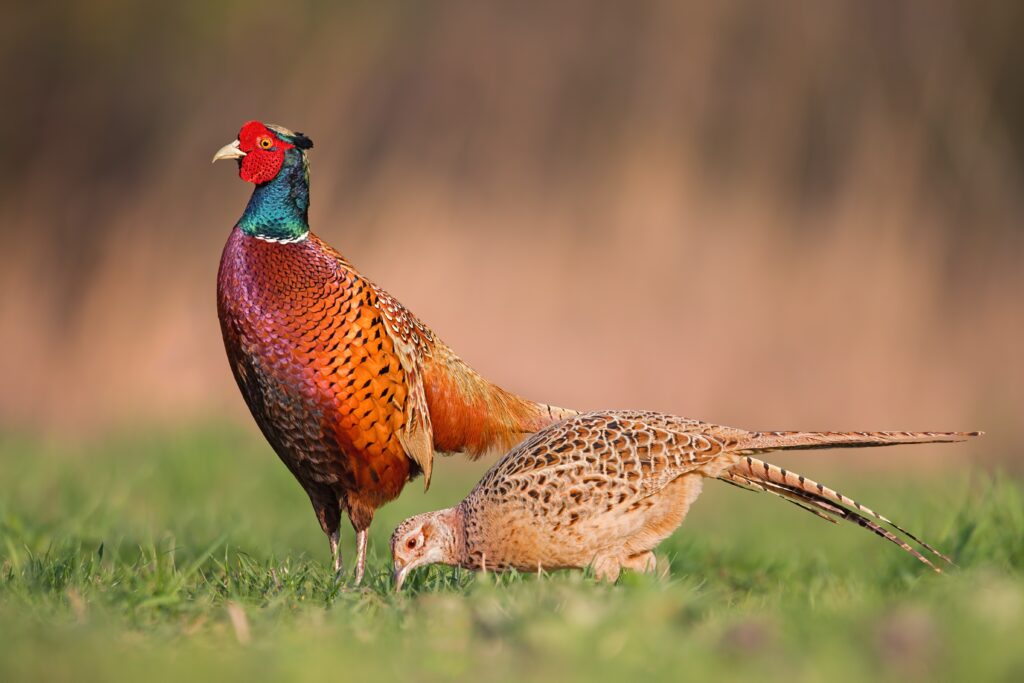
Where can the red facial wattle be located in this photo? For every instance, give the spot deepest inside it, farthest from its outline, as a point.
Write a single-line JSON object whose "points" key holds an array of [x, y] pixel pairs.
{"points": [[264, 153]]}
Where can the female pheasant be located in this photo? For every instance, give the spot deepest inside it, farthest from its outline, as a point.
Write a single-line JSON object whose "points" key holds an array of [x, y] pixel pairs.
{"points": [[351, 390], [604, 489]]}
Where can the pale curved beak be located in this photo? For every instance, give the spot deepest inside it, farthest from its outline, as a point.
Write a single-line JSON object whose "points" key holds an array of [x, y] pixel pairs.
{"points": [[398, 576], [228, 151]]}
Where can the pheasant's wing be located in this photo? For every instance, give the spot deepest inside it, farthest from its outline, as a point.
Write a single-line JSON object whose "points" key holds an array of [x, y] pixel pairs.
{"points": [[411, 340], [612, 457]]}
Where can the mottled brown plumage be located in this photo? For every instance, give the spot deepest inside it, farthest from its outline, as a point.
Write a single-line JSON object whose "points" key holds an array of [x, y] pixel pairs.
{"points": [[604, 489]]}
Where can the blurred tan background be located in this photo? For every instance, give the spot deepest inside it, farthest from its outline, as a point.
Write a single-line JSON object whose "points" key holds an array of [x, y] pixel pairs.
{"points": [[775, 215]]}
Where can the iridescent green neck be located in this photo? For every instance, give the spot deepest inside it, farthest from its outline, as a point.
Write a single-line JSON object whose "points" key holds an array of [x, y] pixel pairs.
{"points": [[277, 210]]}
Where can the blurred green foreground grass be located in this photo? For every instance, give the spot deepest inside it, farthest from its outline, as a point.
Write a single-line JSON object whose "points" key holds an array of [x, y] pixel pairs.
{"points": [[195, 556]]}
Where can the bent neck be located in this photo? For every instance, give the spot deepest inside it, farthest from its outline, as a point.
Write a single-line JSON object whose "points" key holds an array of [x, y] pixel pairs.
{"points": [[277, 211], [455, 519]]}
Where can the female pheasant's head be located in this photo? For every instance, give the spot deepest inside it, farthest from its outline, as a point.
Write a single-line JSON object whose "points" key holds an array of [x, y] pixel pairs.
{"points": [[428, 538], [261, 149]]}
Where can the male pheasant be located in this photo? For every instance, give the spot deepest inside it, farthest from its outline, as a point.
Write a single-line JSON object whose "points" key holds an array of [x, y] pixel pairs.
{"points": [[604, 489], [351, 390]]}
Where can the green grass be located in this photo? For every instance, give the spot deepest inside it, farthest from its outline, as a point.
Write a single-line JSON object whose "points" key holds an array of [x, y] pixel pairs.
{"points": [[175, 557]]}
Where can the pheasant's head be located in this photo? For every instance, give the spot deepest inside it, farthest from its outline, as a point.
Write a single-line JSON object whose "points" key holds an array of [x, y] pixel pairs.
{"points": [[428, 538], [261, 149]]}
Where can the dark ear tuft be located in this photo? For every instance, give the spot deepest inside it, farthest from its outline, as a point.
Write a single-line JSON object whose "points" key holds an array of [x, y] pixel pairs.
{"points": [[291, 137]]}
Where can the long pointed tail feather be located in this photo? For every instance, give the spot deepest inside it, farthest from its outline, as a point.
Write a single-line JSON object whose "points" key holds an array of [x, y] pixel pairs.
{"points": [[741, 482], [797, 497], [763, 442], [820, 506], [759, 475]]}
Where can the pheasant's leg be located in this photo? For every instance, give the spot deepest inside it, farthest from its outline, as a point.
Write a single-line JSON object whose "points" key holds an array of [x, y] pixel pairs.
{"points": [[335, 539], [606, 568], [360, 555], [361, 516], [328, 513], [641, 562]]}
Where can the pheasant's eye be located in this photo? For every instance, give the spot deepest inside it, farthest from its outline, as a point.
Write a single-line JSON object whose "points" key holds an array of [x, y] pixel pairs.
{"points": [[266, 143], [411, 543]]}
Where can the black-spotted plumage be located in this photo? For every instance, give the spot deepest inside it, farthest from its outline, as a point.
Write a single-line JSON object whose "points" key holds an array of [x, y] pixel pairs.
{"points": [[604, 489]]}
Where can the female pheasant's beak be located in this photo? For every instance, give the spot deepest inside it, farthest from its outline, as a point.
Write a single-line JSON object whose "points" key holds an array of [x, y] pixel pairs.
{"points": [[228, 151], [428, 556], [398, 577]]}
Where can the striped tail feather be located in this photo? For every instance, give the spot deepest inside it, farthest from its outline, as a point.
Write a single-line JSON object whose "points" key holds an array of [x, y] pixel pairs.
{"points": [[741, 482], [758, 475]]}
